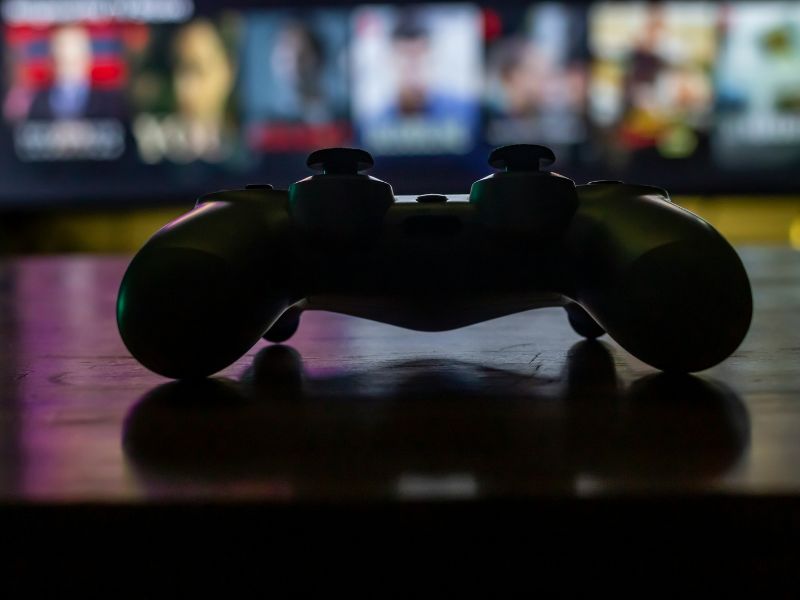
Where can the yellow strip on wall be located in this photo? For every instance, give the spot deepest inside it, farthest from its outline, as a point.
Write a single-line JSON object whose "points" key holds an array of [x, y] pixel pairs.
{"points": [[742, 220]]}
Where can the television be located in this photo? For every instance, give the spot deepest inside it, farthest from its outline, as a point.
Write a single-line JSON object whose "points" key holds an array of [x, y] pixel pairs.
{"points": [[120, 102]]}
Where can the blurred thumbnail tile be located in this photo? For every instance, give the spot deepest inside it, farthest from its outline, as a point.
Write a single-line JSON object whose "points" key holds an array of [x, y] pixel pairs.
{"points": [[294, 80], [651, 93], [71, 93], [183, 93], [66, 93], [758, 86], [417, 78], [536, 75]]}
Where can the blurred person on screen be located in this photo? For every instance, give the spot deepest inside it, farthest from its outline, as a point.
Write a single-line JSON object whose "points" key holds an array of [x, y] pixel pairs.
{"points": [[417, 85], [203, 80], [71, 95], [198, 126], [297, 61], [535, 78], [416, 94], [527, 80], [294, 88], [663, 91], [518, 70], [417, 78]]}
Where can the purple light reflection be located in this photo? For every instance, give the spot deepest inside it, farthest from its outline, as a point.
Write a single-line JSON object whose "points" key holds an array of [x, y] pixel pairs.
{"points": [[70, 407]]}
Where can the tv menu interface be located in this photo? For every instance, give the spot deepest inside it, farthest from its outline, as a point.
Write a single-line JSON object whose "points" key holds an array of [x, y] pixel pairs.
{"points": [[118, 100]]}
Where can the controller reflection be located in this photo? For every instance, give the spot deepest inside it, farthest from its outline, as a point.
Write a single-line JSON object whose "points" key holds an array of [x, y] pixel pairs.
{"points": [[497, 432]]}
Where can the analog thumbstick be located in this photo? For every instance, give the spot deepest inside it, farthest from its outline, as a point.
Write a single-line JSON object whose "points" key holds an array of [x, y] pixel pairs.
{"points": [[340, 161], [521, 157]]}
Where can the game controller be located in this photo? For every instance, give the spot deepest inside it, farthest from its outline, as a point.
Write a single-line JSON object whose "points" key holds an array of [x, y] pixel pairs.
{"points": [[620, 258]]}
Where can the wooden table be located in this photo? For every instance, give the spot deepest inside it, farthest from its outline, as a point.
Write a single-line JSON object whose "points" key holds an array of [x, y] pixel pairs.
{"points": [[513, 428]]}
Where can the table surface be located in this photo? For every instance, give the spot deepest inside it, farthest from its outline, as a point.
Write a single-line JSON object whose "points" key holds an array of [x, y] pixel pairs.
{"points": [[356, 411]]}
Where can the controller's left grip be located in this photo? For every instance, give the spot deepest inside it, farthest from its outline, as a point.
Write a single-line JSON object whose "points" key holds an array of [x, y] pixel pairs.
{"points": [[185, 313], [204, 290]]}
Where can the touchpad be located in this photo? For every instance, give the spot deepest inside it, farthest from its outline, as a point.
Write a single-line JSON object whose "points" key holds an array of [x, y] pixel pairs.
{"points": [[432, 226]]}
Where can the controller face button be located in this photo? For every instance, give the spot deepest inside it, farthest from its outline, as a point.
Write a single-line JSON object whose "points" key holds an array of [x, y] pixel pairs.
{"points": [[432, 198], [521, 157], [258, 186], [340, 161]]}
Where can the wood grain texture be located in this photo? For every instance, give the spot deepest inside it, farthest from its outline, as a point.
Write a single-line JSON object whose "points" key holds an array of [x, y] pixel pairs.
{"points": [[506, 453], [356, 411]]}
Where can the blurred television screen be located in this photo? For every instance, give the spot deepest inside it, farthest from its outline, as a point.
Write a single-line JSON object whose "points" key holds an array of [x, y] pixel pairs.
{"points": [[119, 101]]}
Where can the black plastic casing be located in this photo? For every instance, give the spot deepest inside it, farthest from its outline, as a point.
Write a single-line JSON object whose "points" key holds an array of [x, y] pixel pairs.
{"points": [[622, 258]]}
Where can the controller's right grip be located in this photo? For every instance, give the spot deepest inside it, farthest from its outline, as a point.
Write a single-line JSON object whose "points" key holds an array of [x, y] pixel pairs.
{"points": [[683, 306]]}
